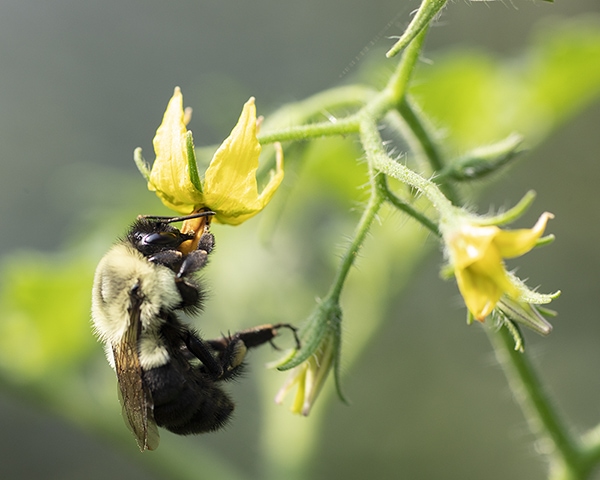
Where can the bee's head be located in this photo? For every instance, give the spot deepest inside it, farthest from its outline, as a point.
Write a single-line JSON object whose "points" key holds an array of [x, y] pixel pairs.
{"points": [[151, 236]]}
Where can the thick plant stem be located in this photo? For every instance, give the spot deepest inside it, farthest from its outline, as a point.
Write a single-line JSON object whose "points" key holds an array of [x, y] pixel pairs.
{"points": [[542, 417]]}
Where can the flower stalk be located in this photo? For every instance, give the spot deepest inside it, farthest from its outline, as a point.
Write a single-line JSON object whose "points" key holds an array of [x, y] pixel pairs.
{"points": [[422, 19], [544, 420], [321, 335], [319, 355]]}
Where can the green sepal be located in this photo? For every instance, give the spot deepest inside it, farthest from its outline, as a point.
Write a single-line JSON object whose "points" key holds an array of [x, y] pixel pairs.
{"points": [[192, 165], [545, 240], [511, 214], [324, 321], [141, 163], [524, 313], [515, 333], [484, 161]]}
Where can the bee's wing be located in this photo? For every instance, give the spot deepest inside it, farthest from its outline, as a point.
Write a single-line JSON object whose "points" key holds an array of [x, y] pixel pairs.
{"points": [[133, 394]]}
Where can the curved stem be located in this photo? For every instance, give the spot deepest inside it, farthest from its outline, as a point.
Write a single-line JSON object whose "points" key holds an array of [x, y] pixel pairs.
{"points": [[513, 213], [407, 208], [320, 105], [379, 159], [303, 132], [398, 83], [364, 225], [393, 93], [425, 14], [424, 139]]}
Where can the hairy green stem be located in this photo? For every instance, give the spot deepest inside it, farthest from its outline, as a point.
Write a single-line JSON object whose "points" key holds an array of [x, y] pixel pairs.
{"points": [[322, 104], [313, 130], [411, 115], [425, 14], [424, 138], [393, 93], [364, 225], [376, 105], [379, 159], [542, 417], [407, 208]]}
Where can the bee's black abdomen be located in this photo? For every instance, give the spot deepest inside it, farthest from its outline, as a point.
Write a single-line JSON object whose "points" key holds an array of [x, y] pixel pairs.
{"points": [[187, 404]]}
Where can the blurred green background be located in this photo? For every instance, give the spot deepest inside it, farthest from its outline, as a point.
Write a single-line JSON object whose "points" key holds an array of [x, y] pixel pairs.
{"points": [[83, 84]]}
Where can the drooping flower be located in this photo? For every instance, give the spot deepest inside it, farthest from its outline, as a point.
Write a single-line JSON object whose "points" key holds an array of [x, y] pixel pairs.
{"points": [[308, 379], [476, 253], [310, 366], [228, 187]]}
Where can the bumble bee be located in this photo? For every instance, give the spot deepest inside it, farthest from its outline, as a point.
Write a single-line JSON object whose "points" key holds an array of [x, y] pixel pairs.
{"points": [[168, 376]]}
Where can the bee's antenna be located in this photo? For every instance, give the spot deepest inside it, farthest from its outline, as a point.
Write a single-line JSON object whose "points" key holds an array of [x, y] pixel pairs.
{"points": [[178, 219]]}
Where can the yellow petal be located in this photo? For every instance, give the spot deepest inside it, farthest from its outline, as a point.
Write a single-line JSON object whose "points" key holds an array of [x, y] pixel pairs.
{"points": [[296, 380], [230, 187], [470, 243], [479, 293], [300, 395], [170, 175], [514, 243], [483, 283]]}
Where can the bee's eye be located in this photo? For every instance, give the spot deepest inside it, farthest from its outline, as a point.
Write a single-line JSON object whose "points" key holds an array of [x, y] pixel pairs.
{"points": [[162, 239]]}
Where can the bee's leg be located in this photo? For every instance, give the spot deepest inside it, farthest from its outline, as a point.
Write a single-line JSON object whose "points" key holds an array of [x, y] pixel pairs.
{"points": [[230, 354], [192, 263], [231, 350], [169, 258], [196, 260], [207, 242], [203, 352], [190, 293], [256, 336]]}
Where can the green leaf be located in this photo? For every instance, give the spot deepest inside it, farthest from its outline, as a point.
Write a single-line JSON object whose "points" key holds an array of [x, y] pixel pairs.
{"points": [[45, 331], [478, 98]]}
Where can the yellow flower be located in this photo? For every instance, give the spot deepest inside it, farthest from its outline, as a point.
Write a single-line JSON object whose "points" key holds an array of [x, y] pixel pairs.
{"points": [[310, 365], [171, 172], [229, 187], [308, 378], [476, 253]]}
